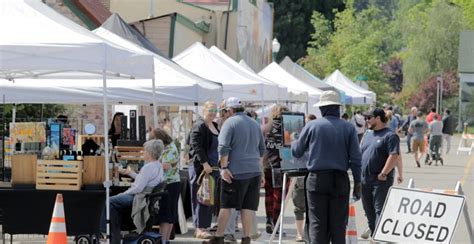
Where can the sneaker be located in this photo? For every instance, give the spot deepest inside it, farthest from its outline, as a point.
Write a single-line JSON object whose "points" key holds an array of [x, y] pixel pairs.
{"points": [[418, 164], [230, 238], [366, 234], [269, 226], [300, 239], [255, 236]]}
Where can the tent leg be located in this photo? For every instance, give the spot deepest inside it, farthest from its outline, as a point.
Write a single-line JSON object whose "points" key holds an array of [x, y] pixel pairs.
{"points": [[106, 157], [155, 114]]}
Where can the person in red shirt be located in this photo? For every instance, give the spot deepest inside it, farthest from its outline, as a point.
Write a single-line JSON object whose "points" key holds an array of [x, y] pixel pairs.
{"points": [[430, 116]]}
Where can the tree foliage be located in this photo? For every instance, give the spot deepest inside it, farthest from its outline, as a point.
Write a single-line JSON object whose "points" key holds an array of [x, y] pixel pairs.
{"points": [[293, 26], [398, 45], [431, 33], [357, 46], [33, 112], [425, 96]]}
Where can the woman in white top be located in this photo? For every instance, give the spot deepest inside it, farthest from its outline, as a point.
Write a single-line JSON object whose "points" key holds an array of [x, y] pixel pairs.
{"points": [[151, 174]]}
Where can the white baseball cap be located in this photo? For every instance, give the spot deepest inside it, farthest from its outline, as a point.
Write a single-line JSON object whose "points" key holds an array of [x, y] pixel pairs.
{"points": [[328, 98], [233, 102]]}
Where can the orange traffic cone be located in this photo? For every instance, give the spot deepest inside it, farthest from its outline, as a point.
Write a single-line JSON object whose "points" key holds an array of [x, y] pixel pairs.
{"points": [[57, 229], [351, 232]]}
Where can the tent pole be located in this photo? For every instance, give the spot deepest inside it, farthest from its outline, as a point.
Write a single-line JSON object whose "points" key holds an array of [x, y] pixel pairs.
{"points": [[106, 156], [155, 114], [263, 103], [14, 114]]}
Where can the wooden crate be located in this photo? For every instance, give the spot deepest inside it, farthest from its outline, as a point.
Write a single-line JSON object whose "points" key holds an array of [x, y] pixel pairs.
{"points": [[58, 175], [94, 173], [129, 153], [24, 169]]}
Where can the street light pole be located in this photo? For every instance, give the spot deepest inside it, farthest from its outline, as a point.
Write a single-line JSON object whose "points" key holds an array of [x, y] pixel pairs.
{"points": [[437, 94], [275, 49], [441, 94]]}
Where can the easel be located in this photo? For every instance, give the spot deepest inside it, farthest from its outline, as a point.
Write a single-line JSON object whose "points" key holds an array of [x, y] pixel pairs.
{"points": [[284, 200], [457, 191]]}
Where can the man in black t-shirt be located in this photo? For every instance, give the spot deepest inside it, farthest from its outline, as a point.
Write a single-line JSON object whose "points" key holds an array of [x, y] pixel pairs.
{"points": [[380, 155]]}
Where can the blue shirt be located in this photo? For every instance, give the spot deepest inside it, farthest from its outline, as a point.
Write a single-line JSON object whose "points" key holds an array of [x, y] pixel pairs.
{"points": [[376, 147], [332, 144]]}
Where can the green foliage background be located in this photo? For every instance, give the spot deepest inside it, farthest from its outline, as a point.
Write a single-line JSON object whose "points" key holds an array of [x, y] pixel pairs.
{"points": [[373, 38]]}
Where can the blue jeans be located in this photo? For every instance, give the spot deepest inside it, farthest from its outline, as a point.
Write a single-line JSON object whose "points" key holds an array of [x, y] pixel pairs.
{"points": [[374, 193], [118, 204], [409, 141]]}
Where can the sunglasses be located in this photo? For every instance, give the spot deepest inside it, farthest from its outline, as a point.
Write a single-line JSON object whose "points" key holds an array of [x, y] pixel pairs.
{"points": [[213, 110], [368, 117]]}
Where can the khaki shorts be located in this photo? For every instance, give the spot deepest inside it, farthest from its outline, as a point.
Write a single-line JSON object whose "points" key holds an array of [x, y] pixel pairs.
{"points": [[418, 144]]}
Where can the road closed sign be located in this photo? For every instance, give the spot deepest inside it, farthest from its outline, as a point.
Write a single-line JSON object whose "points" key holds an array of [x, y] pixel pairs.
{"points": [[415, 216]]}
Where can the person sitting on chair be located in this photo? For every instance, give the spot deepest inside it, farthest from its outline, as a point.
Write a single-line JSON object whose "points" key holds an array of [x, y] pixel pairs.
{"points": [[151, 174]]}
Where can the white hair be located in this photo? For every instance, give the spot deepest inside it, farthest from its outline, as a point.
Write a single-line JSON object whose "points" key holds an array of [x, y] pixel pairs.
{"points": [[154, 148]]}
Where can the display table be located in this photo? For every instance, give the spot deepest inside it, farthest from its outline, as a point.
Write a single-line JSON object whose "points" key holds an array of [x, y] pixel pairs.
{"points": [[30, 211]]}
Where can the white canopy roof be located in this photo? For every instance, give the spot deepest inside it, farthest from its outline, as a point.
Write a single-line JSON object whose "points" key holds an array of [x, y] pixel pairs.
{"points": [[236, 83], [36, 40], [170, 78], [302, 74], [359, 95], [61, 91], [282, 92], [298, 88], [245, 66]]}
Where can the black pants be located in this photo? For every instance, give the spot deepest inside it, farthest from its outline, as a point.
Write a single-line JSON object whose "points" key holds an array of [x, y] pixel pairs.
{"points": [[328, 206]]}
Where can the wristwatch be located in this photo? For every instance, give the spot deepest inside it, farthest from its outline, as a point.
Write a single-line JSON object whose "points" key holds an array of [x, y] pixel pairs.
{"points": [[225, 167]]}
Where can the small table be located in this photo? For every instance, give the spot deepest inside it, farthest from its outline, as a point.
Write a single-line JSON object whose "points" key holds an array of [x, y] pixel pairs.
{"points": [[29, 211]]}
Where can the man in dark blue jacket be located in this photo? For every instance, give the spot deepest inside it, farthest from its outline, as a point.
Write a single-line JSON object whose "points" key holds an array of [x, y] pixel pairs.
{"points": [[333, 148]]}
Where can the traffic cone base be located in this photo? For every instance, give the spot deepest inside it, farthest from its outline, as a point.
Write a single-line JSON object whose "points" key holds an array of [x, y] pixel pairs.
{"points": [[351, 232], [57, 229]]}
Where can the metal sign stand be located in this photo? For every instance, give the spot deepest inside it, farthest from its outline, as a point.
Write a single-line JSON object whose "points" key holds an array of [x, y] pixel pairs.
{"points": [[458, 191]]}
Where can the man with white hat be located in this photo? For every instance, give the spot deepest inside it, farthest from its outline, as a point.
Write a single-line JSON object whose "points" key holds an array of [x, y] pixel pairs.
{"points": [[333, 148], [241, 148]]}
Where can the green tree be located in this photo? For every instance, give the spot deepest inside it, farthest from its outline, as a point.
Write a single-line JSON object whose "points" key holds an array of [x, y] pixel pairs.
{"points": [[468, 11], [431, 33], [293, 26], [33, 112], [357, 47]]}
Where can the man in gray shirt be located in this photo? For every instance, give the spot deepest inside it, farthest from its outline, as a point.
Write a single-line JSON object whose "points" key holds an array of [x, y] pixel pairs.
{"points": [[241, 147], [436, 136], [418, 129]]}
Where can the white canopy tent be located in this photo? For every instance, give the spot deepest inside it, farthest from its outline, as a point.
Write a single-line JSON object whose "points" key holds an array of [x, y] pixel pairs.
{"points": [[170, 78], [297, 89], [37, 41], [245, 66], [359, 95], [236, 83], [60, 91], [282, 92]]}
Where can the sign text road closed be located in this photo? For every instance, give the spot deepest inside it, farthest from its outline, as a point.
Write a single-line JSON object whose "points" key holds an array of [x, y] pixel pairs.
{"points": [[414, 216]]}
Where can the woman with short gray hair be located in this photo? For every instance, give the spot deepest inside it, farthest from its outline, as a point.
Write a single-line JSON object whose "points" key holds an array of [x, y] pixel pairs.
{"points": [[151, 174], [154, 148]]}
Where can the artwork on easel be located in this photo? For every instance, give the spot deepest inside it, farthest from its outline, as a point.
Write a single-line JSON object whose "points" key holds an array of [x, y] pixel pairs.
{"points": [[293, 123]]}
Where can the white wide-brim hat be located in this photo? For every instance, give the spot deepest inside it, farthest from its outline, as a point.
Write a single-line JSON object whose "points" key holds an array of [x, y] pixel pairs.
{"points": [[328, 98]]}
